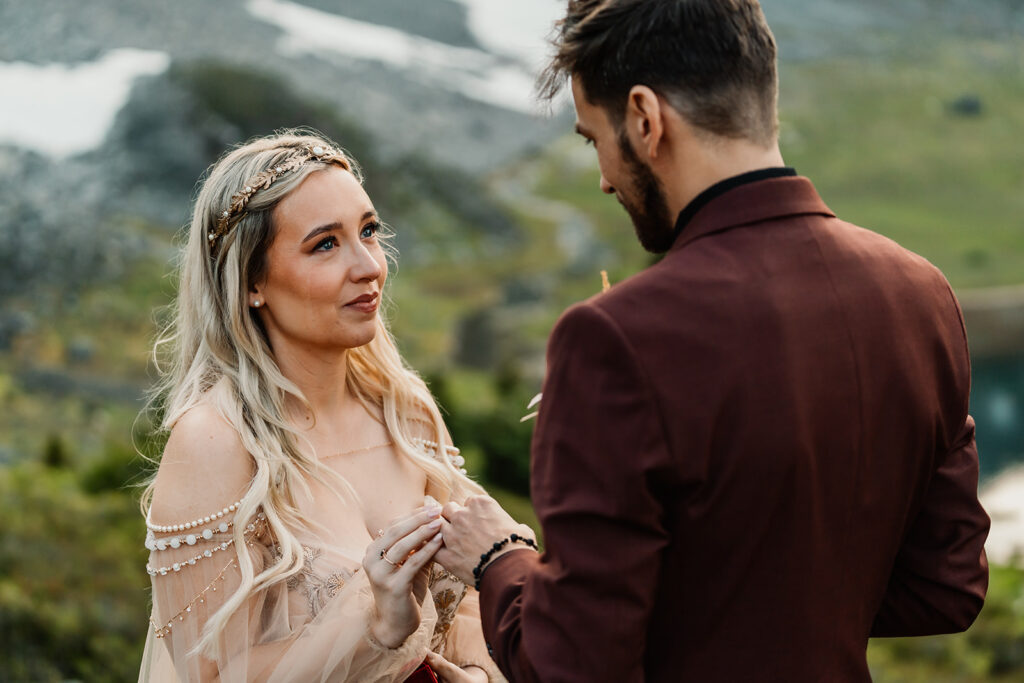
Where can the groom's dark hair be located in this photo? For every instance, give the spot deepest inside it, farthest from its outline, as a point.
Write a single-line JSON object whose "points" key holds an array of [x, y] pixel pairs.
{"points": [[712, 60]]}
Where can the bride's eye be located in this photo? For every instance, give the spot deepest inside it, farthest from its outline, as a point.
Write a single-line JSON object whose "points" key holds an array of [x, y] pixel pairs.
{"points": [[326, 244], [369, 230]]}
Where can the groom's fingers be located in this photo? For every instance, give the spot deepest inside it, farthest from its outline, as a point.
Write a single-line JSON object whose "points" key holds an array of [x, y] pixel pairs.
{"points": [[450, 538], [456, 564], [450, 509], [484, 507], [453, 556], [447, 533], [446, 527], [444, 557]]}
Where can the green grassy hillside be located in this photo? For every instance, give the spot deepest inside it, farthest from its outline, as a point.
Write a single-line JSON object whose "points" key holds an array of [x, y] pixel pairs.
{"points": [[887, 148]]}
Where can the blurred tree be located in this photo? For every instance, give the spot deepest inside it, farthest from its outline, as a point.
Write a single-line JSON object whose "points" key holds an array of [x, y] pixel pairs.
{"points": [[55, 453]]}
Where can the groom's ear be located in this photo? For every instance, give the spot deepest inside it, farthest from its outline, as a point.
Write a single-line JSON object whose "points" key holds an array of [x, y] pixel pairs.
{"points": [[644, 121]]}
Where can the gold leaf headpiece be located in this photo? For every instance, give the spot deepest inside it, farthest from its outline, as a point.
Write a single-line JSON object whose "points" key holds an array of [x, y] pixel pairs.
{"points": [[264, 179]]}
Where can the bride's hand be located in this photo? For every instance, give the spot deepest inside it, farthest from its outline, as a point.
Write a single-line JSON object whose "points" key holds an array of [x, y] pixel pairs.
{"points": [[396, 566], [449, 673]]}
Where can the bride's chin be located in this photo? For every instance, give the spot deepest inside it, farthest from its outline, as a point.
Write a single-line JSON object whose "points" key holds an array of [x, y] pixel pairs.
{"points": [[356, 340]]}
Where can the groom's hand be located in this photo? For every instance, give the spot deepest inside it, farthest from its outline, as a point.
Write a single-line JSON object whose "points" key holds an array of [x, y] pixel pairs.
{"points": [[471, 530]]}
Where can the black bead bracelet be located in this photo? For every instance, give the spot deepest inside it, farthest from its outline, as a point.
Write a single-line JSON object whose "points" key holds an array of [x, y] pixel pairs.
{"points": [[478, 571]]}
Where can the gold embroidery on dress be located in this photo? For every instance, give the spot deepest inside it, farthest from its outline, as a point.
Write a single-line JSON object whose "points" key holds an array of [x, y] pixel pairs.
{"points": [[439, 573], [448, 591], [445, 604], [316, 589]]}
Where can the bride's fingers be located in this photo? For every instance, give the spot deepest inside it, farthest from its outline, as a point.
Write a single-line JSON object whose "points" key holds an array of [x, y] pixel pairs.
{"points": [[412, 541], [395, 532], [418, 560], [406, 525]]}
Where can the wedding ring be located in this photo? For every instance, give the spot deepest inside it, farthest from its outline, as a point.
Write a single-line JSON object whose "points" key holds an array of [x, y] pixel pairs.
{"points": [[384, 556]]}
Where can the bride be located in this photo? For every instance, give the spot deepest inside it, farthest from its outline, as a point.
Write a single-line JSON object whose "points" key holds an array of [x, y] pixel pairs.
{"points": [[295, 513]]}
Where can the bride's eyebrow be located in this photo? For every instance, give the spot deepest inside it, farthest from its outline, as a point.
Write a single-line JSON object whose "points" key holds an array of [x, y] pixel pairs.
{"points": [[336, 225]]}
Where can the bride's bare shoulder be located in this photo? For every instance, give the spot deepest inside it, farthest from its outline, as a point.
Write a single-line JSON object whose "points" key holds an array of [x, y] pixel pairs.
{"points": [[204, 467]]}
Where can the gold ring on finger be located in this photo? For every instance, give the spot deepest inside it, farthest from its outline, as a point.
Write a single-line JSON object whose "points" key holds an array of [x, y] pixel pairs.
{"points": [[384, 556]]}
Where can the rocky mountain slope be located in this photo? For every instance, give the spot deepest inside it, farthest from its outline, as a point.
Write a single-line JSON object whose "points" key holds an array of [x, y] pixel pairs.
{"points": [[111, 109]]}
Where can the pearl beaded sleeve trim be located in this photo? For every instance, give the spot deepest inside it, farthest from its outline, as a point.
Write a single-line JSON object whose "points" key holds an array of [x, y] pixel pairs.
{"points": [[162, 571], [178, 566], [164, 631], [153, 543], [452, 452], [194, 523]]}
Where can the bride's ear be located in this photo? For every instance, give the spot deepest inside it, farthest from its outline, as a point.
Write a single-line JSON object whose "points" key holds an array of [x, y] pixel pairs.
{"points": [[256, 298]]}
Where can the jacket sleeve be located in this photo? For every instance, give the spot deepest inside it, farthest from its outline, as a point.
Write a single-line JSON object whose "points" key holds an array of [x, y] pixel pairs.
{"points": [[940, 577], [579, 612]]}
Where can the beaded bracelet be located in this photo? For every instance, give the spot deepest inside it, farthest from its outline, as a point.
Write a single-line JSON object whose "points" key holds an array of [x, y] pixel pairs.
{"points": [[478, 570]]}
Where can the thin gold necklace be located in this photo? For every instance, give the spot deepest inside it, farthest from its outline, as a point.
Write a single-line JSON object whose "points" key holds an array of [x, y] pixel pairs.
{"points": [[359, 450]]}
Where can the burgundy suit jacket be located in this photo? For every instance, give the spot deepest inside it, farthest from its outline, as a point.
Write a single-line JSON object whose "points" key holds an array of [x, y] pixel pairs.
{"points": [[749, 458]]}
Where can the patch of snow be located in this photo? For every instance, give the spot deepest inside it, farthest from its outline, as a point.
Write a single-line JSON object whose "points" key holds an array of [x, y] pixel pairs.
{"points": [[476, 74], [66, 109], [517, 29]]}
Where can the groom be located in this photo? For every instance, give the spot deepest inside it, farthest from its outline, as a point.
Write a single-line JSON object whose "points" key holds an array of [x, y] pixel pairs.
{"points": [[755, 454]]}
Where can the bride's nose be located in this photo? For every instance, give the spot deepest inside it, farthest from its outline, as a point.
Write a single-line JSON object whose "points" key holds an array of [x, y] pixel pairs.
{"points": [[366, 266]]}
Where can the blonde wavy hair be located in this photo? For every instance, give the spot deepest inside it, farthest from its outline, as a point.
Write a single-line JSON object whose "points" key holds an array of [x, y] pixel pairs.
{"points": [[215, 338]]}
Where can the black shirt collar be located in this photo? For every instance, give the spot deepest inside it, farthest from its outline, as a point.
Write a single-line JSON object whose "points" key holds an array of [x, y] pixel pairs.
{"points": [[721, 187]]}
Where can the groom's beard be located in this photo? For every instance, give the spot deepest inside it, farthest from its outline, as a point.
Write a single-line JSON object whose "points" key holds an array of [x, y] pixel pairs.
{"points": [[645, 202]]}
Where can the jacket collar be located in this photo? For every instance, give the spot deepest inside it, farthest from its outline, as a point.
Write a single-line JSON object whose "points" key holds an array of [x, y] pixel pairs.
{"points": [[749, 198]]}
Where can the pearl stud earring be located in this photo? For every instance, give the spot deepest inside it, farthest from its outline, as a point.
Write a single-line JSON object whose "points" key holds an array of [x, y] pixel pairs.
{"points": [[257, 303]]}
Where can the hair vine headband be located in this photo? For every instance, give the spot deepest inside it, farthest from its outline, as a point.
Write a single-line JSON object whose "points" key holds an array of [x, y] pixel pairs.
{"points": [[264, 179]]}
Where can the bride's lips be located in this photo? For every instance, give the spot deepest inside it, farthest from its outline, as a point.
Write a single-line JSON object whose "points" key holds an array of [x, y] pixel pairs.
{"points": [[367, 303]]}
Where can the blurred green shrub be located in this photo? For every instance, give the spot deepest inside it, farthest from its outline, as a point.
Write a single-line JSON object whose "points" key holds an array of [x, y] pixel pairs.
{"points": [[992, 650], [506, 445], [73, 592], [119, 468], [55, 453], [491, 424]]}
